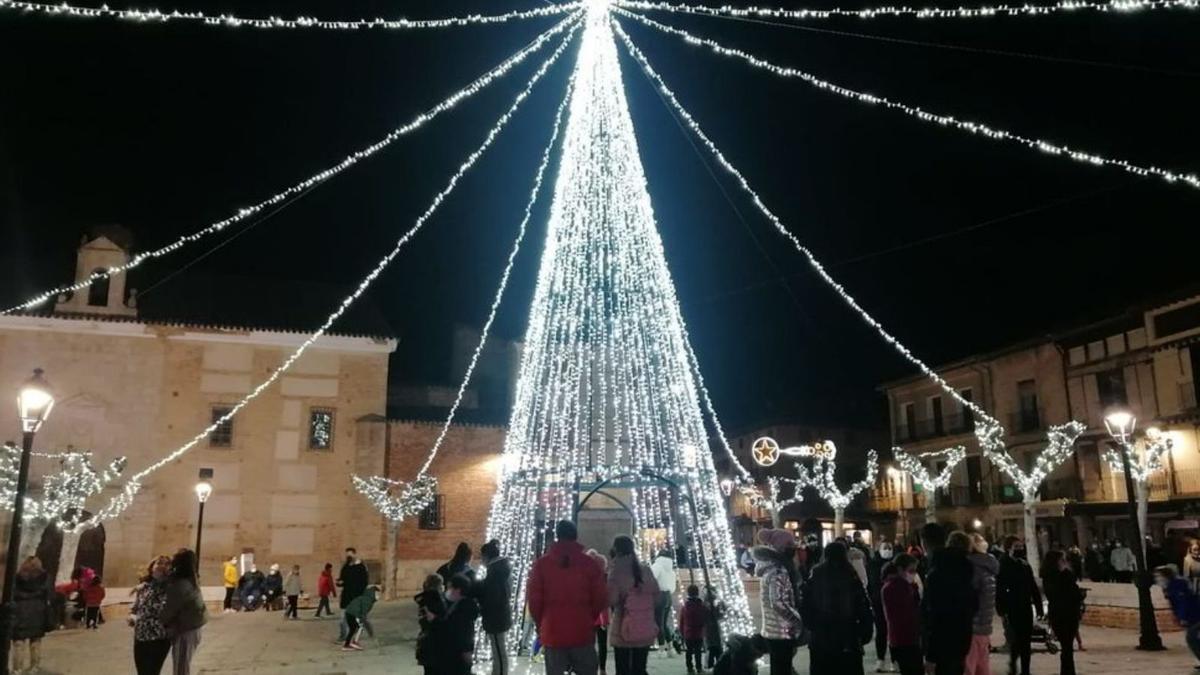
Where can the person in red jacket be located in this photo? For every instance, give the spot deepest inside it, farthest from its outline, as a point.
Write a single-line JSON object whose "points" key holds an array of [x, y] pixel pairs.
{"points": [[325, 589], [93, 597], [901, 607], [566, 593], [692, 620]]}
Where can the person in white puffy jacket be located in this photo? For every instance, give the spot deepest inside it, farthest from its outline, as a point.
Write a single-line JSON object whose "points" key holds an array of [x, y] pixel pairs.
{"points": [[663, 568]]}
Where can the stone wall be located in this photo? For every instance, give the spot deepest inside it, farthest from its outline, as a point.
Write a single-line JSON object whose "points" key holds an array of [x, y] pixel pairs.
{"points": [[1116, 606]]}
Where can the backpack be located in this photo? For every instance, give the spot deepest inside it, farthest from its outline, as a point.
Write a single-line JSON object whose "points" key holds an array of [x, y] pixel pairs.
{"points": [[637, 617]]}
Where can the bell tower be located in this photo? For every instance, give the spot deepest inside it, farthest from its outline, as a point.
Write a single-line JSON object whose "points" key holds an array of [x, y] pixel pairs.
{"points": [[98, 252]]}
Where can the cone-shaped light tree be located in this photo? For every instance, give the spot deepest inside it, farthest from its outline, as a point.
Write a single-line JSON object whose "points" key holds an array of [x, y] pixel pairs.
{"points": [[917, 468], [606, 395]]}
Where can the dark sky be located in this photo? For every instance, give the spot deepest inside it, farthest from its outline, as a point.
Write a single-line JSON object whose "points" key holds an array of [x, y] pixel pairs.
{"points": [[957, 243]]}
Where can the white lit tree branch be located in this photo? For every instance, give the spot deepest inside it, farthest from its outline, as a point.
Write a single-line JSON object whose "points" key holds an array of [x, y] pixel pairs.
{"points": [[915, 466], [1145, 460], [1061, 442], [822, 476]]}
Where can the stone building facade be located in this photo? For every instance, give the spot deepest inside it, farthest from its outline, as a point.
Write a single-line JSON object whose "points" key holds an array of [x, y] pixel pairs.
{"points": [[138, 383], [1142, 360]]}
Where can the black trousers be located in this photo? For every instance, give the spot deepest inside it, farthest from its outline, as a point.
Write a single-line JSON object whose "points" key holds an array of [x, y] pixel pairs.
{"points": [[695, 656], [834, 662], [1020, 635], [630, 660], [324, 604], [228, 604], [781, 652], [293, 607], [909, 659], [714, 654], [881, 643], [351, 621], [150, 655], [92, 615], [602, 647], [1065, 632]]}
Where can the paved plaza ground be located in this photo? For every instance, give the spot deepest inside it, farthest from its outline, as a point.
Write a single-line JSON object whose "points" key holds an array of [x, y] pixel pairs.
{"points": [[261, 642]]}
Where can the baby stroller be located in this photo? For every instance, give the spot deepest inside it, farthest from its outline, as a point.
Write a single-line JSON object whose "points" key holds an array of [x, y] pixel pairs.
{"points": [[1042, 635]]}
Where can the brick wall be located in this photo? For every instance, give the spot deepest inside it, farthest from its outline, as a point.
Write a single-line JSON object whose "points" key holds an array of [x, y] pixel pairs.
{"points": [[466, 472]]}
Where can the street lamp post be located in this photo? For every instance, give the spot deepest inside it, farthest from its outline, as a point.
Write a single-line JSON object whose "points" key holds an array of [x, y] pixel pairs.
{"points": [[203, 492], [1121, 425], [34, 402]]}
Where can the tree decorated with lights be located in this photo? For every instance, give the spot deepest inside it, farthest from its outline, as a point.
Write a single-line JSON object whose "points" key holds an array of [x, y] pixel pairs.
{"points": [[822, 476], [605, 390], [1061, 443], [1144, 459], [917, 469]]}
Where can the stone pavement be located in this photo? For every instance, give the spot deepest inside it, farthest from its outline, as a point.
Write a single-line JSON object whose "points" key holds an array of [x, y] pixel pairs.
{"points": [[261, 642]]}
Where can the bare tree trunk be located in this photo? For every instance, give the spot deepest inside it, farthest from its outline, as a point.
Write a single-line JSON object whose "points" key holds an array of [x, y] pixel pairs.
{"points": [[1143, 507], [31, 536], [390, 564], [839, 519], [1031, 540], [66, 559], [930, 509]]}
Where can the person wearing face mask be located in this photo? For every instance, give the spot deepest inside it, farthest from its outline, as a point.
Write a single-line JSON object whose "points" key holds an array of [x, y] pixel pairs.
{"points": [[882, 557], [1064, 598], [1184, 603], [353, 579], [1017, 598], [1191, 566], [901, 607], [984, 582]]}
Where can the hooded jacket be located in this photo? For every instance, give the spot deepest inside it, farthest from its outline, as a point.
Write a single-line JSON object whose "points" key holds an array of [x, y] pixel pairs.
{"points": [[780, 614], [836, 609], [494, 594], [1017, 593], [948, 606], [984, 582], [566, 592], [229, 574]]}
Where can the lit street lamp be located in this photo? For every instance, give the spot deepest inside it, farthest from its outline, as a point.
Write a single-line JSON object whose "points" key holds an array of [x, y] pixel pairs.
{"points": [[34, 402], [203, 492], [1121, 425]]}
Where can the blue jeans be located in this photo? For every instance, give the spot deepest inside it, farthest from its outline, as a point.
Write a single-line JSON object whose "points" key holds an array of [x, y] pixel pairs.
{"points": [[1193, 639], [344, 627]]}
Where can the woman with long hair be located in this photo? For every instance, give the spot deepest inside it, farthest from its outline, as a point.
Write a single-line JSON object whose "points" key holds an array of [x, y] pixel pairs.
{"points": [[151, 643], [459, 564], [31, 600], [602, 619], [838, 613], [1064, 597], [183, 613], [632, 593]]}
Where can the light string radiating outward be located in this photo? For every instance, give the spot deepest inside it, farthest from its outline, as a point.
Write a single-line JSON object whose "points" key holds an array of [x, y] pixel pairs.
{"points": [[1067, 6], [122, 500], [233, 21], [778, 224], [350, 160], [744, 476], [410, 499], [916, 467], [994, 133]]}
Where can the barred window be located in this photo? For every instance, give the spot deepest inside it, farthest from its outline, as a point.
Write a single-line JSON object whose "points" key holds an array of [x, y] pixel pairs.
{"points": [[433, 516], [320, 429], [222, 436]]}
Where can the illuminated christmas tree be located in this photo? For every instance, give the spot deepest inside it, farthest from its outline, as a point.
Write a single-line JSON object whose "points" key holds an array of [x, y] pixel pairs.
{"points": [[606, 391]]}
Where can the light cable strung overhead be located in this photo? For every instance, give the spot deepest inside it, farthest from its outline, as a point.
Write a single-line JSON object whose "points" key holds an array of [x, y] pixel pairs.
{"points": [[301, 22], [412, 497], [994, 133], [778, 225], [295, 190], [118, 503], [1067, 6]]}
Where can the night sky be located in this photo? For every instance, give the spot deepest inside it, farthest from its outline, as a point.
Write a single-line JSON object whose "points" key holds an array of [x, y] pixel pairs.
{"points": [[957, 243]]}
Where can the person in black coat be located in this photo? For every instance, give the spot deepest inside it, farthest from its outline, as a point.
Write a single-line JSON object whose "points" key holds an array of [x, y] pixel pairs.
{"points": [[836, 610], [1065, 598], [494, 594], [949, 603], [882, 557], [459, 564], [31, 601], [353, 579], [1017, 600], [454, 634]]}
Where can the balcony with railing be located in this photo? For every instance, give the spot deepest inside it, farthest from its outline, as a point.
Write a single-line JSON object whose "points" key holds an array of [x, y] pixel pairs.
{"points": [[949, 425]]}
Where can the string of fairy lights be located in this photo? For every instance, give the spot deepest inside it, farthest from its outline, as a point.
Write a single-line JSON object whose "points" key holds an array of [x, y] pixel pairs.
{"points": [[918, 113], [122, 500], [978, 11], [322, 176], [268, 22], [610, 388]]}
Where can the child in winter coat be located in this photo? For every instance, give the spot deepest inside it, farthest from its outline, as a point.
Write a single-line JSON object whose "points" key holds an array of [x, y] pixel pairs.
{"points": [[712, 627], [325, 589], [93, 596], [901, 608], [292, 588], [356, 614], [692, 620], [430, 608], [742, 656], [454, 633]]}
